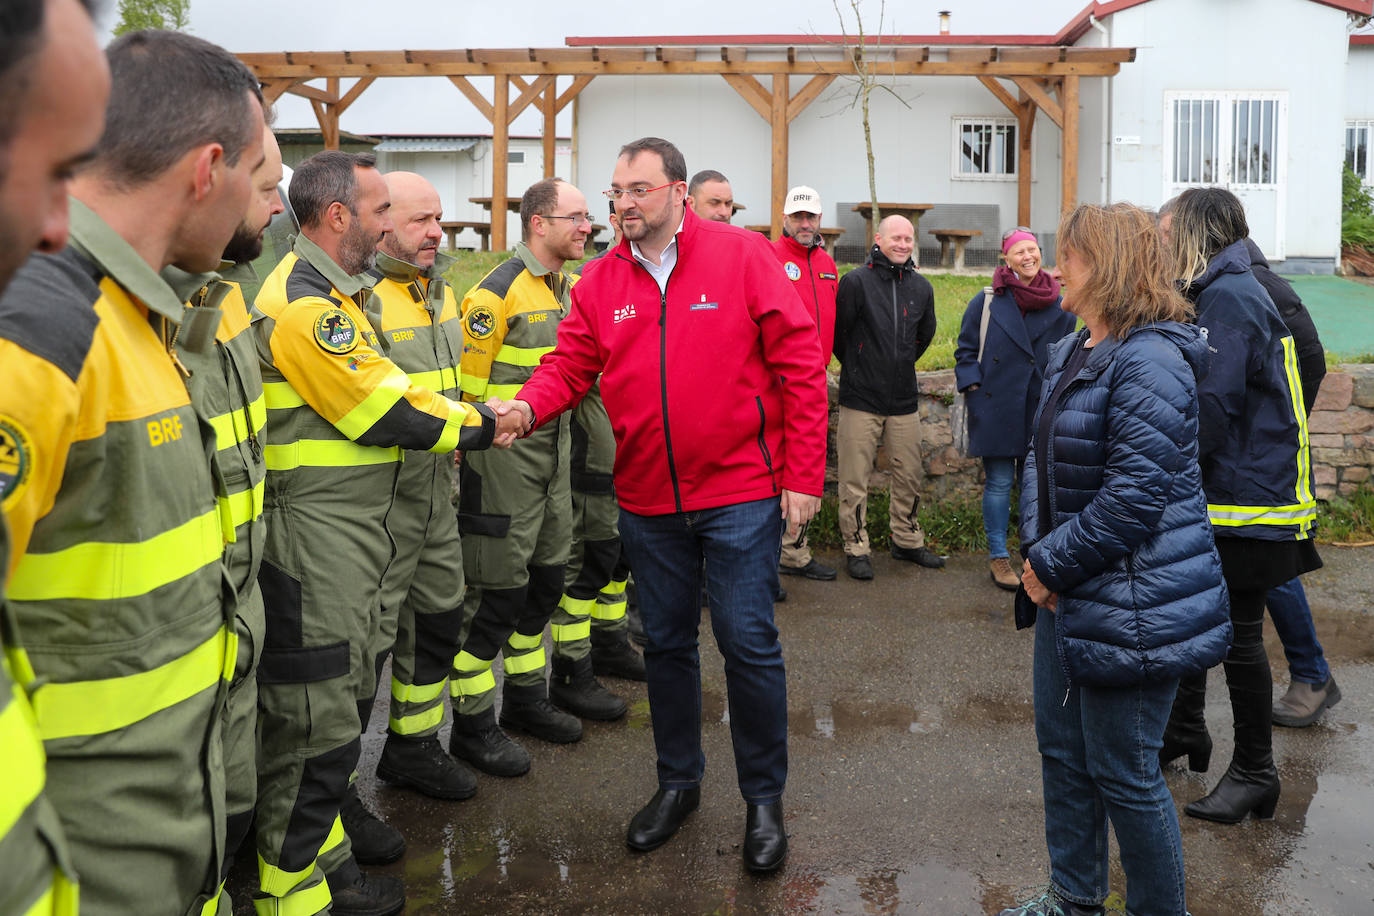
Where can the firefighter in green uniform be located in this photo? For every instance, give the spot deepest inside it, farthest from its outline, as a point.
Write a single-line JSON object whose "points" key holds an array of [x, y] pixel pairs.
{"points": [[339, 415], [515, 510], [416, 314], [55, 94], [597, 572], [117, 590], [227, 382]]}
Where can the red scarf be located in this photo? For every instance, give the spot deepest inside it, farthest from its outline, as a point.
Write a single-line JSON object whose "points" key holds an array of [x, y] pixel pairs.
{"points": [[1041, 293]]}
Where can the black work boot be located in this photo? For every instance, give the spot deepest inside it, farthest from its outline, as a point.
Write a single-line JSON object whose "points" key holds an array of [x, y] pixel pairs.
{"points": [[575, 688], [421, 764], [374, 841], [356, 894], [1186, 732], [527, 709], [613, 656], [480, 741]]}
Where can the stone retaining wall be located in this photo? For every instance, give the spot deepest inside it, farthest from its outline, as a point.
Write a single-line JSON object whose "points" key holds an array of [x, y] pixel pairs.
{"points": [[1341, 428]]}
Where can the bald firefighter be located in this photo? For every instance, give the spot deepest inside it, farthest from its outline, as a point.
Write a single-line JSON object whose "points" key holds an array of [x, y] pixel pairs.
{"points": [[515, 509], [339, 415], [423, 589]]}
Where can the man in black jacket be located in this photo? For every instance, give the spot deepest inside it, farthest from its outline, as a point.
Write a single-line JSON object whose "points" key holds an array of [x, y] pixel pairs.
{"points": [[884, 320]]}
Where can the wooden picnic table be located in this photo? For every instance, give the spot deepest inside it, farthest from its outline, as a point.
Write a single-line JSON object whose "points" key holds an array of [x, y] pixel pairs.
{"points": [[910, 211], [512, 203], [829, 233], [452, 227]]}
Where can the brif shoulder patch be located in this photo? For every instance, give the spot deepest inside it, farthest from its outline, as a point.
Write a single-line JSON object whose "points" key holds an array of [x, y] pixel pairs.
{"points": [[793, 271], [480, 322], [335, 332], [16, 460]]}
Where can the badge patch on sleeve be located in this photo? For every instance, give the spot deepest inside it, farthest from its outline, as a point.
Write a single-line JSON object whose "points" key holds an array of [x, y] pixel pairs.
{"points": [[793, 271], [481, 321], [335, 332], [16, 459]]}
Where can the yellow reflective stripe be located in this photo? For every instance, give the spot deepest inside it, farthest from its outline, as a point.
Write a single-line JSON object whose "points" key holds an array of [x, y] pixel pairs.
{"points": [[521, 356], [420, 721], [474, 385], [441, 379], [1235, 516], [365, 415], [61, 898], [240, 508], [467, 663], [459, 418], [233, 427], [327, 453], [211, 907], [612, 611], [103, 570], [24, 763], [68, 710], [504, 392], [577, 607], [416, 693], [1302, 491], [615, 587], [571, 632], [305, 902], [530, 661], [520, 642], [336, 835], [281, 396], [278, 881], [21, 669], [473, 685]]}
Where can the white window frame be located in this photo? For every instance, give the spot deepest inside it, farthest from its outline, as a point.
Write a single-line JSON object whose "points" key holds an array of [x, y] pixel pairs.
{"points": [[1366, 125], [957, 153], [1224, 134]]}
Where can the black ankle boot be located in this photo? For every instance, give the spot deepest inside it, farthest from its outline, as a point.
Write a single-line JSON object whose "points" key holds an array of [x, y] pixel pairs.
{"points": [[574, 687], [527, 709], [374, 841], [1239, 793], [612, 656], [765, 839], [480, 741], [1186, 732], [356, 894]]}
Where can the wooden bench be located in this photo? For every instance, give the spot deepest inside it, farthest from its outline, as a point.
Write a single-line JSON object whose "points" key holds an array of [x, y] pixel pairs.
{"points": [[959, 237], [829, 233], [452, 227]]}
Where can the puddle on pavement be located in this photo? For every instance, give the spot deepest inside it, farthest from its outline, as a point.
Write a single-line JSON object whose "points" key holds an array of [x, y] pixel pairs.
{"points": [[848, 719]]}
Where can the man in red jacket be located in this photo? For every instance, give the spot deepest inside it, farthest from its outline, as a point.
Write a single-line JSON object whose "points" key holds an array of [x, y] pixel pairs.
{"points": [[815, 277], [693, 325]]}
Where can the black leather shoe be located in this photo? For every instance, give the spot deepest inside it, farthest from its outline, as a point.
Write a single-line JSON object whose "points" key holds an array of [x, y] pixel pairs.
{"points": [[812, 570], [422, 765], [765, 841], [859, 567], [921, 556], [660, 818], [356, 894], [374, 841], [780, 595]]}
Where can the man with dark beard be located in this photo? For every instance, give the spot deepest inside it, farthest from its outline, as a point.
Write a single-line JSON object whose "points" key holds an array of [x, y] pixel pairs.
{"points": [[339, 415], [226, 380]]}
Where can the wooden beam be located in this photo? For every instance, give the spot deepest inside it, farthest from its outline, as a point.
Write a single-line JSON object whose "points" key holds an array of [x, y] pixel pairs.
{"points": [[354, 91], [808, 94], [1025, 120], [500, 153], [1031, 55], [313, 94], [475, 97], [778, 121], [911, 55], [1068, 100], [519, 82], [328, 119], [1099, 55], [275, 89], [971, 55], [753, 92], [530, 93], [1002, 94], [571, 92], [1036, 90], [675, 53], [549, 106]]}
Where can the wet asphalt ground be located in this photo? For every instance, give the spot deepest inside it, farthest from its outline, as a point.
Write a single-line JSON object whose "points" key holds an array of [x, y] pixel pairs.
{"points": [[914, 782]]}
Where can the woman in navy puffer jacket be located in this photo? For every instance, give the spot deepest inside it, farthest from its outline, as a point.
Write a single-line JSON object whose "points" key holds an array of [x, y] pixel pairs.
{"points": [[1121, 562]]}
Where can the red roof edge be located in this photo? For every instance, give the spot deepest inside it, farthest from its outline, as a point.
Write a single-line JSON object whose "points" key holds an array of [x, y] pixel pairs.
{"points": [[612, 41], [1362, 39], [1359, 7]]}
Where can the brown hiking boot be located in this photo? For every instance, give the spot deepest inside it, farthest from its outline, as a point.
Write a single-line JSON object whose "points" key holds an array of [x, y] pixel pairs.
{"points": [[1002, 573], [1303, 703]]}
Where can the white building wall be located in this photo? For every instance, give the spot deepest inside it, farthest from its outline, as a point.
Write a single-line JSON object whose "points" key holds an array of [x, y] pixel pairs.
{"points": [[1295, 46], [1359, 83]]}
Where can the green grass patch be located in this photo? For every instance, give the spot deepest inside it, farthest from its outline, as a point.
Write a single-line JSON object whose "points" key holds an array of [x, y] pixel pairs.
{"points": [[1347, 520], [951, 526]]}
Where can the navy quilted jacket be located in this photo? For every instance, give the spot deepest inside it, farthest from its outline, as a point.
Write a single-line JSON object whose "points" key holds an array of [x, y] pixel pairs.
{"points": [[1130, 550]]}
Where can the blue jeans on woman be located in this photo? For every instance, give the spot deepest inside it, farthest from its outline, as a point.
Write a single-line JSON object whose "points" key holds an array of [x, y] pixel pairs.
{"points": [[1000, 474], [1293, 623], [1099, 753], [740, 544]]}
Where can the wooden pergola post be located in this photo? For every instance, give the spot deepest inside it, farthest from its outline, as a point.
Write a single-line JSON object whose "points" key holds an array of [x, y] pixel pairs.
{"points": [[548, 105], [780, 129], [1068, 103], [500, 161]]}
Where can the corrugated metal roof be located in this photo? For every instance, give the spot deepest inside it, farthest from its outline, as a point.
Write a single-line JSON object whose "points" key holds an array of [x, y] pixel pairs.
{"points": [[426, 145]]}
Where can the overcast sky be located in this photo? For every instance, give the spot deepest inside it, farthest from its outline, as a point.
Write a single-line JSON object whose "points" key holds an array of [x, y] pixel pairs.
{"points": [[406, 106]]}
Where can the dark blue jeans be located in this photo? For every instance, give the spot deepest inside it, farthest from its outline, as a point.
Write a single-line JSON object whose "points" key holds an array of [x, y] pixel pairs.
{"points": [[740, 545], [1293, 622], [1099, 762]]}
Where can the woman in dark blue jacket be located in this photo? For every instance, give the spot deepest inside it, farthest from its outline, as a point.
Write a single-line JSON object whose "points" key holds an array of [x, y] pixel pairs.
{"points": [[1120, 562], [999, 366], [1257, 473]]}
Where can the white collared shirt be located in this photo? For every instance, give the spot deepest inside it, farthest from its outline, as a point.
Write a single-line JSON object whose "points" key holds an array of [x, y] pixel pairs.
{"points": [[666, 262]]}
